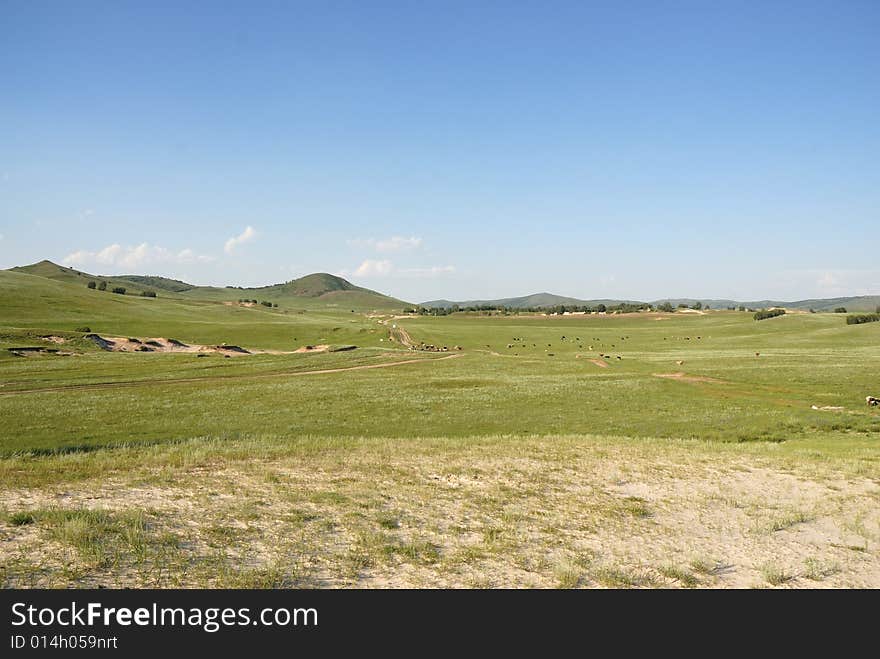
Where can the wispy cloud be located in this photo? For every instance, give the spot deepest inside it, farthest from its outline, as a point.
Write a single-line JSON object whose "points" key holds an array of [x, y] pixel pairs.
{"points": [[433, 271], [116, 255], [392, 244], [244, 237], [835, 282], [373, 268], [385, 268]]}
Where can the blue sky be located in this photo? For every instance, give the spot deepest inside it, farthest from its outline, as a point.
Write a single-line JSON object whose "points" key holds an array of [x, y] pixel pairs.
{"points": [[446, 149]]}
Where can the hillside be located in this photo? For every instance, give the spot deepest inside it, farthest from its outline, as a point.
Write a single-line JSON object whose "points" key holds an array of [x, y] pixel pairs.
{"points": [[132, 283], [313, 291]]}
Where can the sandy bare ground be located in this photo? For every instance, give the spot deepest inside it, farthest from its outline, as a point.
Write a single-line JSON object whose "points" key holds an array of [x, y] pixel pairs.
{"points": [[250, 376], [163, 345], [538, 513], [318, 348]]}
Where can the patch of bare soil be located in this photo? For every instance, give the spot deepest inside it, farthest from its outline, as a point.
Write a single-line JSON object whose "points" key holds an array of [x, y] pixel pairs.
{"points": [[688, 378], [54, 339], [164, 345], [543, 514], [601, 363], [319, 348]]}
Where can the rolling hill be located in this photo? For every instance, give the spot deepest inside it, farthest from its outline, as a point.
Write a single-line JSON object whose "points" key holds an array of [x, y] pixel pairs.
{"points": [[312, 291]]}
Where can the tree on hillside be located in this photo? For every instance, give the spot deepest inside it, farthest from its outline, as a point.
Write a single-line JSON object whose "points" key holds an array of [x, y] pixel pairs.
{"points": [[102, 286], [665, 306], [840, 310], [697, 306], [91, 284], [601, 308], [119, 290]]}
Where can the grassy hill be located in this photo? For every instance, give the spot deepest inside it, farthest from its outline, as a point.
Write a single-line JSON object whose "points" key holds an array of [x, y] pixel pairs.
{"points": [[55, 272], [315, 291]]}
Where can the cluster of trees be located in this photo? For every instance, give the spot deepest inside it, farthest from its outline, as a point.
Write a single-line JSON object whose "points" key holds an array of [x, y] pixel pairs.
{"points": [[558, 309], [858, 319], [119, 290], [771, 313]]}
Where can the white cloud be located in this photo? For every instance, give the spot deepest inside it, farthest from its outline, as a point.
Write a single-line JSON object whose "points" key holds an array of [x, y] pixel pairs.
{"points": [[245, 236], [433, 271], [372, 268], [385, 268], [132, 257], [393, 244]]}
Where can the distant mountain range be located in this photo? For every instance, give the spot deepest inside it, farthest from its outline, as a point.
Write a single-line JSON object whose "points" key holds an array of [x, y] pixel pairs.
{"points": [[547, 300], [319, 289]]}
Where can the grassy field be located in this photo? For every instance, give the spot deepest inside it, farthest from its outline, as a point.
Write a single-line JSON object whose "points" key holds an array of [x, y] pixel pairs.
{"points": [[675, 450]]}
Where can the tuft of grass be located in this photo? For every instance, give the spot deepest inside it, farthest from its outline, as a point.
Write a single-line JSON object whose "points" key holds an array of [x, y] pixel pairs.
{"points": [[774, 574], [422, 552], [21, 518], [612, 577], [636, 507], [817, 570], [567, 576], [682, 576], [705, 566], [388, 521], [788, 520]]}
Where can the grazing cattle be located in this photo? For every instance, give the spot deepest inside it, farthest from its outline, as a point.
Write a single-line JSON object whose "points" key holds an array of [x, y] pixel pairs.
{"points": [[757, 354], [872, 401], [680, 362]]}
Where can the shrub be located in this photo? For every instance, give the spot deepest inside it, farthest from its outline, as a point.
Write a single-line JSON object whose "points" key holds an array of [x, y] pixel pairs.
{"points": [[119, 290], [148, 293], [102, 286], [772, 313], [665, 306], [84, 328], [92, 285], [858, 319], [840, 310], [266, 303]]}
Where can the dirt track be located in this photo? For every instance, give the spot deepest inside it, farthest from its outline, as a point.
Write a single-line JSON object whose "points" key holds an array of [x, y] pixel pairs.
{"points": [[218, 378]]}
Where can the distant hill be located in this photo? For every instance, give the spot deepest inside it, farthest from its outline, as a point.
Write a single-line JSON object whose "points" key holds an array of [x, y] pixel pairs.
{"points": [[548, 300], [312, 291]]}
